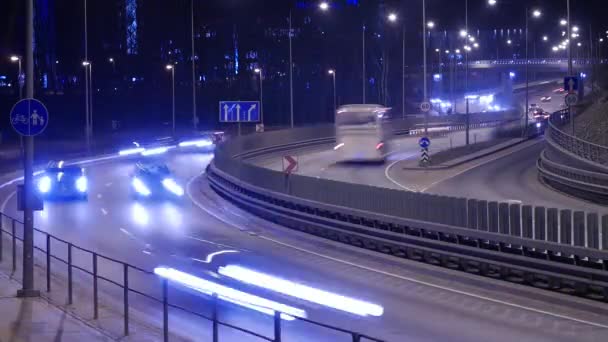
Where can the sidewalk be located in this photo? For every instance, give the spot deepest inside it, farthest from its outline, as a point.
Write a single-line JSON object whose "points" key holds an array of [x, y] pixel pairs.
{"points": [[34, 319]]}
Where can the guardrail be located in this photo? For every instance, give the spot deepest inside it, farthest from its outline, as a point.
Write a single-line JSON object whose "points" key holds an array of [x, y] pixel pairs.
{"points": [[535, 61], [581, 175], [378, 218], [590, 152]]}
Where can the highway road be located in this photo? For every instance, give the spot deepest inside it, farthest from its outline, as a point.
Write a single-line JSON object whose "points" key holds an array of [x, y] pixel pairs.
{"points": [[421, 303]]}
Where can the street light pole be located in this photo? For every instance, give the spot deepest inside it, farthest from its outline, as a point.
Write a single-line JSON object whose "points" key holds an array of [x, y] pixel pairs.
{"points": [[527, 112], [261, 97], [466, 68], [91, 100], [28, 213], [87, 130], [426, 114], [290, 74], [194, 118], [403, 72], [570, 71], [332, 72], [172, 68], [19, 81], [363, 61]]}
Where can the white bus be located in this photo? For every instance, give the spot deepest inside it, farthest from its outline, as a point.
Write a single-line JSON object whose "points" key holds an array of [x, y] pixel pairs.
{"points": [[360, 133]]}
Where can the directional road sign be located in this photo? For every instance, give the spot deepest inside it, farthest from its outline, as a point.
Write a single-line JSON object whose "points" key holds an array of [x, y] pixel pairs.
{"points": [[425, 106], [424, 142], [29, 117], [239, 111], [571, 99], [571, 84], [290, 164]]}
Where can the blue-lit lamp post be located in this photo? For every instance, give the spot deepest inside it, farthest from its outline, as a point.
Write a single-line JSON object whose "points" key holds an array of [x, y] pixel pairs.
{"points": [[18, 60], [260, 73], [171, 67], [332, 72]]}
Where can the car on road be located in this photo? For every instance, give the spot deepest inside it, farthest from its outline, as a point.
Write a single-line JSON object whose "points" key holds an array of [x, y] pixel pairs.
{"points": [[59, 182], [545, 99], [155, 180], [559, 91], [540, 114]]}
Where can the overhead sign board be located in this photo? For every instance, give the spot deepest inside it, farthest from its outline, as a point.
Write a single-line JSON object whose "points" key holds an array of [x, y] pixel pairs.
{"points": [[29, 117], [571, 83], [239, 111]]}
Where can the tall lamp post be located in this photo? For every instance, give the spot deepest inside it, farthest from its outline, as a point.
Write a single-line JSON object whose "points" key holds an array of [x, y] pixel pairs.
{"points": [[260, 73], [426, 97], [18, 60], [332, 72], [171, 67], [88, 122]]}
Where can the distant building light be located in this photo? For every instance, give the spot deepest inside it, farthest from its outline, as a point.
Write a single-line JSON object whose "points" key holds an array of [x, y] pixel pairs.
{"points": [[437, 77], [511, 75]]}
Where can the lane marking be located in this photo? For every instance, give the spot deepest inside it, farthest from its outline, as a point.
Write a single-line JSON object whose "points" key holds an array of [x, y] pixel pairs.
{"points": [[210, 256], [126, 232], [210, 242], [388, 176], [146, 252], [421, 282], [413, 280], [109, 184], [104, 211]]}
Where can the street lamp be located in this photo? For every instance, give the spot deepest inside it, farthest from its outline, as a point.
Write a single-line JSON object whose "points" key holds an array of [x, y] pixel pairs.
{"points": [[17, 59], [88, 72], [111, 60], [491, 2], [259, 72], [324, 6], [536, 13], [171, 67], [332, 72], [545, 38], [563, 22], [509, 42], [392, 17], [430, 24]]}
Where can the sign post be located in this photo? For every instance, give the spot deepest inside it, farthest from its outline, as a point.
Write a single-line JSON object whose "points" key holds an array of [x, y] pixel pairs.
{"points": [[571, 85], [424, 144], [33, 119]]}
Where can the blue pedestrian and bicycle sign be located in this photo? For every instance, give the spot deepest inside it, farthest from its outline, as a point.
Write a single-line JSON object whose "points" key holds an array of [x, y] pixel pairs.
{"points": [[239, 111], [29, 117], [424, 142]]}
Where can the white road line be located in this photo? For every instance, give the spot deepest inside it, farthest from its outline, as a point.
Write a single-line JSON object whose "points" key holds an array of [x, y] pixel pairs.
{"points": [[464, 293], [126, 232], [211, 242], [146, 252], [388, 176], [109, 184], [104, 211]]}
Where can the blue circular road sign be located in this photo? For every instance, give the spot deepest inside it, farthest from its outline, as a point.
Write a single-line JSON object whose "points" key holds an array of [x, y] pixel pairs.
{"points": [[29, 117], [424, 142]]}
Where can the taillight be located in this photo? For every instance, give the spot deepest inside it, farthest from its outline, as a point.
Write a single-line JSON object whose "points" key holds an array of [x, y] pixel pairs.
{"points": [[380, 145]]}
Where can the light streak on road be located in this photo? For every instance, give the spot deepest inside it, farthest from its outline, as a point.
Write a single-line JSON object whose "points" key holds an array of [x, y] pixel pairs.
{"points": [[301, 291], [231, 295], [140, 214], [210, 256]]}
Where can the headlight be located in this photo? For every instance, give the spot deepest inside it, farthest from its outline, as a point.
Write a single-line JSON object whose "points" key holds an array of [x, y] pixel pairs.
{"points": [[538, 125], [44, 184], [140, 187], [81, 184], [197, 143], [172, 186]]}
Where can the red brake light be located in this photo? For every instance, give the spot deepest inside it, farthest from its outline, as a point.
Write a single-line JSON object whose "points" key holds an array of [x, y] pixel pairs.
{"points": [[380, 145]]}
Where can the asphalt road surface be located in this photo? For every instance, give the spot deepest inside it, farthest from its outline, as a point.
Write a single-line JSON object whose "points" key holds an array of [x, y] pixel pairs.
{"points": [[421, 303]]}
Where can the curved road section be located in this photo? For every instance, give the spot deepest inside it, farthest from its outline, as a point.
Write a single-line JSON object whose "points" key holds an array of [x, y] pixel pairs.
{"points": [[201, 233]]}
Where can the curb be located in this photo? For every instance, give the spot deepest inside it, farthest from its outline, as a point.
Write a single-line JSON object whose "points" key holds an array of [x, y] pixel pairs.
{"points": [[483, 155]]}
